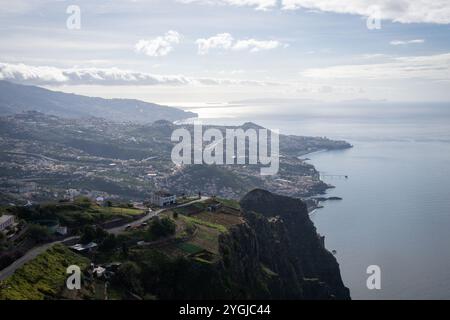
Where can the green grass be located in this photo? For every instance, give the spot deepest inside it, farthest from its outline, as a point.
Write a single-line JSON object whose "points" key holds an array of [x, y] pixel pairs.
{"points": [[199, 205], [219, 227], [96, 214], [189, 248], [115, 211], [80, 213], [42, 277], [229, 203]]}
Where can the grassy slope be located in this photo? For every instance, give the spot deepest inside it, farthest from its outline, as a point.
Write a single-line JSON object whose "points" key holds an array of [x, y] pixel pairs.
{"points": [[43, 277], [208, 224], [83, 212]]}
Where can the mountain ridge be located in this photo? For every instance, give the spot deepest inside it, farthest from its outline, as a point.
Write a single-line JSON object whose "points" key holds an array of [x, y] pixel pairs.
{"points": [[17, 98]]}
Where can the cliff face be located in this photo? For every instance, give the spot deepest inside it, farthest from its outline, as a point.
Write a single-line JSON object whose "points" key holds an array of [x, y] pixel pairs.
{"points": [[277, 253]]}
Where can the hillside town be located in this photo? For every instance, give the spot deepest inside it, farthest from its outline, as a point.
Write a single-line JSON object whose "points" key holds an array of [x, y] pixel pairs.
{"points": [[49, 158]]}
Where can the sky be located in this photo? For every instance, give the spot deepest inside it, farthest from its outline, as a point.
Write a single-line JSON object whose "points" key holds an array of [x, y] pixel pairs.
{"points": [[208, 51]]}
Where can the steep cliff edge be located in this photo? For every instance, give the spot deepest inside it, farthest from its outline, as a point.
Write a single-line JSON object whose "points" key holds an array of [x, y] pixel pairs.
{"points": [[265, 248], [277, 253]]}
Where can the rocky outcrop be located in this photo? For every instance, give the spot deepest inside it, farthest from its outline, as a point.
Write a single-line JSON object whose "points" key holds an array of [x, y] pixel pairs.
{"points": [[277, 253]]}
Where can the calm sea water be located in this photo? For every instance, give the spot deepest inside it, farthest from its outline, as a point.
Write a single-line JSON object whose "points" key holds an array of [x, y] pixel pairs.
{"points": [[396, 207]]}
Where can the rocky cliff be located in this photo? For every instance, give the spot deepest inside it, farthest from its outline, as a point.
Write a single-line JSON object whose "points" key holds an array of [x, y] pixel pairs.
{"points": [[277, 253]]}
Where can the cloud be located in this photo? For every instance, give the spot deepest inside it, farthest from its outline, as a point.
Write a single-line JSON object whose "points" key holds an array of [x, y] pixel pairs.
{"points": [[374, 56], [159, 46], [219, 41], [232, 72], [45, 75], [403, 11], [433, 67], [402, 42], [257, 4], [226, 42], [255, 45]]}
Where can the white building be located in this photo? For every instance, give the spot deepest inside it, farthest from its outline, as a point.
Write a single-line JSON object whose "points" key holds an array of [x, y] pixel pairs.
{"points": [[163, 198], [100, 200], [6, 221], [61, 230]]}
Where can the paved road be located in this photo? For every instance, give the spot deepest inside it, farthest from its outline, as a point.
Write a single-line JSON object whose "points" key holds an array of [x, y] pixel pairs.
{"points": [[33, 253], [122, 228]]}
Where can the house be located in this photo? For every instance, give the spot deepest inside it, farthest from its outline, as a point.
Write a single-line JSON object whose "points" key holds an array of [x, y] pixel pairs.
{"points": [[100, 200], [98, 271], [6, 221], [163, 198], [61, 230], [84, 248], [53, 226], [113, 266]]}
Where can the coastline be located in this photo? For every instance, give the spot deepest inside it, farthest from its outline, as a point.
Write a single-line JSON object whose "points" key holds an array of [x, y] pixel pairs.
{"points": [[314, 202]]}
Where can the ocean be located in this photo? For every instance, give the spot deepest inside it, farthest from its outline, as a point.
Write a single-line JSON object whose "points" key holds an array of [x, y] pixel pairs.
{"points": [[395, 211]]}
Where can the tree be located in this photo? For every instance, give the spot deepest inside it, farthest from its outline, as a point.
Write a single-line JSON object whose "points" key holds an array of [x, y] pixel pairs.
{"points": [[162, 228], [83, 202], [91, 233], [128, 275], [100, 233], [125, 249], [88, 234], [169, 226], [38, 233], [109, 243]]}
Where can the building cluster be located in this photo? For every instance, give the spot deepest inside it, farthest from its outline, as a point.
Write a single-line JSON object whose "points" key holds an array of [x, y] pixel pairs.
{"points": [[163, 198], [6, 222]]}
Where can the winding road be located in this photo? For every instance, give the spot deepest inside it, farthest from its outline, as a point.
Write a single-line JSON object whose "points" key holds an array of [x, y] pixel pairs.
{"points": [[33, 253]]}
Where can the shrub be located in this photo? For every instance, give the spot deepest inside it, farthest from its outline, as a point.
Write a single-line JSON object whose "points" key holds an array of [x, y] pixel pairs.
{"points": [[128, 275], [162, 228], [38, 233], [109, 244], [91, 233]]}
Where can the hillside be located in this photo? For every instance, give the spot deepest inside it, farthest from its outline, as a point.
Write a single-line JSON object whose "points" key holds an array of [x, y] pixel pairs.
{"points": [[44, 157], [16, 98], [264, 247], [43, 277]]}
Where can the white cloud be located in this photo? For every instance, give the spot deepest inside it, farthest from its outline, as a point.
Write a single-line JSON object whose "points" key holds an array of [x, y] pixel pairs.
{"points": [[433, 67], [255, 45], [232, 72], [44, 75], [403, 42], [403, 11], [374, 56], [257, 4], [159, 46], [226, 42]]}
